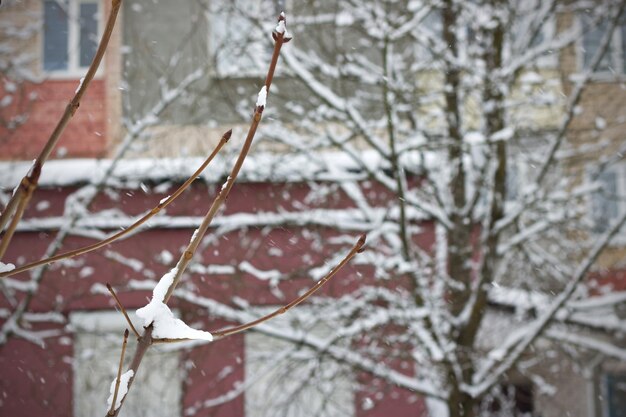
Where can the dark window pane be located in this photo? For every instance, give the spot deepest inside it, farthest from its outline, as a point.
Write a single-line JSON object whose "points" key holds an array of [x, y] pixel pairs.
{"points": [[616, 390], [55, 35], [512, 178], [623, 33], [511, 400], [605, 205], [88, 32], [591, 42]]}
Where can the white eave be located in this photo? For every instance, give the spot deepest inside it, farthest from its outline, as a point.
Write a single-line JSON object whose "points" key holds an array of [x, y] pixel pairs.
{"points": [[257, 168]]}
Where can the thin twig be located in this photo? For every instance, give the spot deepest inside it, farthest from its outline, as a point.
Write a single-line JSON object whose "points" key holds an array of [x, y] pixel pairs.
{"points": [[123, 310], [220, 334], [29, 182], [20, 207], [119, 374], [135, 131], [131, 228], [357, 248], [510, 355], [9, 208]]}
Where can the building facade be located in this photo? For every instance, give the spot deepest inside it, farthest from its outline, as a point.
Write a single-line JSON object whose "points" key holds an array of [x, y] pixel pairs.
{"points": [[161, 98]]}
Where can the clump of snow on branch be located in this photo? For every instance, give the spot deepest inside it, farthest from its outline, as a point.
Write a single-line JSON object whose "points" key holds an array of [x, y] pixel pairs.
{"points": [[157, 313], [123, 390], [262, 97], [280, 27], [80, 84], [6, 267]]}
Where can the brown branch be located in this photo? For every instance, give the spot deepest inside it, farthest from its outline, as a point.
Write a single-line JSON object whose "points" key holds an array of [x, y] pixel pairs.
{"points": [[357, 248], [511, 353], [146, 340], [29, 182], [119, 374], [221, 197], [220, 334], [131, 228], [123, 310], [9, 209], [26, 185]]}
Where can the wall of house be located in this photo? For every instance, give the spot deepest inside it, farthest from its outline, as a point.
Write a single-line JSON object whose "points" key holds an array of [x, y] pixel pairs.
{"points": [[39, 98], [39, 380], [85, 135], [598, 128]]}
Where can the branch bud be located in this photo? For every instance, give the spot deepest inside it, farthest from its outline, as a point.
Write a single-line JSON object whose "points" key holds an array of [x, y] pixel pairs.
{"points": [[361, 243], [226, 136]]}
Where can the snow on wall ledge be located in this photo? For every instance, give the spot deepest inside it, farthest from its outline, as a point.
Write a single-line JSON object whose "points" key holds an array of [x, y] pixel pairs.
{"points": [[261, 167]]}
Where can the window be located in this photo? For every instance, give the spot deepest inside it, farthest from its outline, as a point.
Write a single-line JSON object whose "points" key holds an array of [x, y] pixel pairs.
{"points": [[293, 381], [517, 174], [531, 30], [237, 46], [608, 202], [508, 400], [613, 60], [615, 386], [97, 345], [70, 35]]}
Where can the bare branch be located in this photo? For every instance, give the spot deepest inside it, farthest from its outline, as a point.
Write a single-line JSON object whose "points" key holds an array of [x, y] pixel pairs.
{"points": [[491, 373], [132, 227], [29, 182], [221, 197], [123, 310], [145, 341], [119, 374], [357, 248]]}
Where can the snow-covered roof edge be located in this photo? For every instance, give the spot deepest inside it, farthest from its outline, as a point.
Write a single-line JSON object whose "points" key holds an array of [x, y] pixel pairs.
{"points": [[257, 168]]}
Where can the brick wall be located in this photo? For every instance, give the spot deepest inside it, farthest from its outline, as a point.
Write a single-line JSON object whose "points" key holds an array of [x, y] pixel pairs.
{"points": [[85, 136]]}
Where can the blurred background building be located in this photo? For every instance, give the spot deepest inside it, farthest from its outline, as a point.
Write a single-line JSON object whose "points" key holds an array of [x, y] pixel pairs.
{"points": [[358, 76]]}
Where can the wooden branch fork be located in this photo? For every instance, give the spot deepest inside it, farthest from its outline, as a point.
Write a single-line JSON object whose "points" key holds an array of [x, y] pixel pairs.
{"points": [[171, 280]]}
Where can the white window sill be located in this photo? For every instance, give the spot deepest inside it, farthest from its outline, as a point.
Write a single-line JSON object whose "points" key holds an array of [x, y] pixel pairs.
{"points": [[70, 75], [603, 77]]}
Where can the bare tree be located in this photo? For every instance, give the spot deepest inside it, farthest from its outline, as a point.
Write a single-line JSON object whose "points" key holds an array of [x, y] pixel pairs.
{"points": [[456, 124]]}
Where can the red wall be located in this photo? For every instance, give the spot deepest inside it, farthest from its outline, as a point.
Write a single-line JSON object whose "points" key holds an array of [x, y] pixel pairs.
{"points": [[85, 136], [24, 364]]}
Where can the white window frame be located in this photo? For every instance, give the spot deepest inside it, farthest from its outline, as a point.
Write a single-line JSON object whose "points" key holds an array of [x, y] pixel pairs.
{"points": [[248, 70], [596, 388], [74, 70], [604, 389], [617, 61], [103, 330], [548, 31], [620, 185], [262, 377]]}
